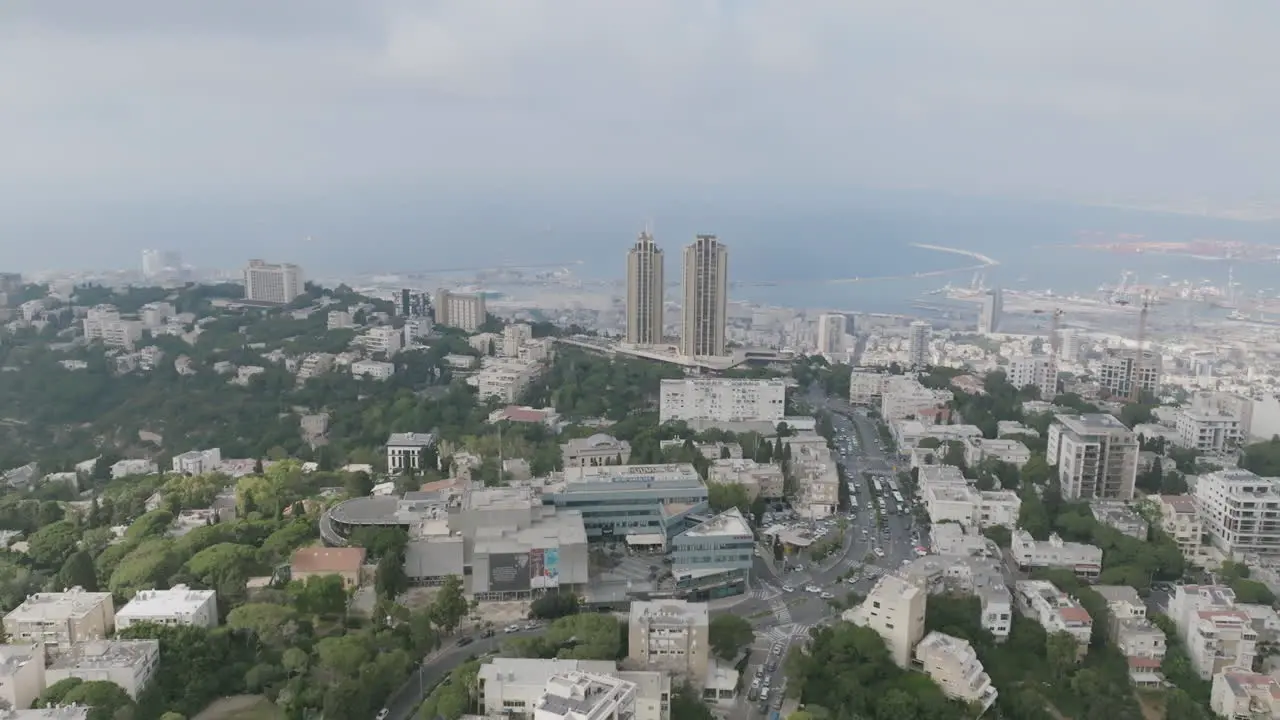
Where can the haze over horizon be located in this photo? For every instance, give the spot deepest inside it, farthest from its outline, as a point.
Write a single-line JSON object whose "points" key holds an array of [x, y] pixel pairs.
{"points": [[238, 116]]}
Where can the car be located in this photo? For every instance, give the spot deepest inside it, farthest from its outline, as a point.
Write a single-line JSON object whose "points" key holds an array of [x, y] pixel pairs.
{"points": [[764, 695], [512, 629], [812, 589], [827, 596], [759, 671], [465, 640], [382, 714], [532, 626], [878, 552], [755, 684], [788, 588]]}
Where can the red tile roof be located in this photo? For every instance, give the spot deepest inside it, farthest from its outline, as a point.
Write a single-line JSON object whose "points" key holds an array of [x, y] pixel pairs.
{"points": [[1075, 614], [327, 560]]}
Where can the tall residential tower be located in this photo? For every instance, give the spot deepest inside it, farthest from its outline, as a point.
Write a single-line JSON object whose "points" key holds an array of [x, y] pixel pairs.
{"points": [[706, 297], [644, 292]]}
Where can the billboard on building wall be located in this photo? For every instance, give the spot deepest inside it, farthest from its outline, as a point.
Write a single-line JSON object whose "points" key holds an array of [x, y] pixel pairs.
{"points": [[544, 568], [508, 572]]}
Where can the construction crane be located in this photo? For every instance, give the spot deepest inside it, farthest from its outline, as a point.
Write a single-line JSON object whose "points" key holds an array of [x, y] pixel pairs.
{"points": [[1135, 382]]}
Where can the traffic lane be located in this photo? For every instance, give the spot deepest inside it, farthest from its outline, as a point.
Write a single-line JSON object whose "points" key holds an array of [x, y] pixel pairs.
{"points": [[435, 667]]}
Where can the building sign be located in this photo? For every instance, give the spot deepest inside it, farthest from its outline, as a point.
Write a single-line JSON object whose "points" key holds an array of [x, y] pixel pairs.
{"points": [[508, 572], [544, 568]]}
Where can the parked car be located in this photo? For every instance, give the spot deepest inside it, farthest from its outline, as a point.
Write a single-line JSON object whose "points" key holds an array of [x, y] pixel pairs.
{"points": [[465, 640]]}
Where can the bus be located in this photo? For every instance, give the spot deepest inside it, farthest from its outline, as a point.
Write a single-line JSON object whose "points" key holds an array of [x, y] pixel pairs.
{"points": [[897, 497], [875, 482]]}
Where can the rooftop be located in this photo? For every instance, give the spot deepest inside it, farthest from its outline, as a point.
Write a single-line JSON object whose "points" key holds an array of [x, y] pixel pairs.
{"points": [[670, 611], [13, 657], [1118, 594], [576, 694], [177, 600], [411, 440], [1181, 504], [500, 498], [1091, 423], [597, 441], [728, 523], [104, 654], [328, 560], [75, 602], [1244, 683], [623, 475], [67, 712]]}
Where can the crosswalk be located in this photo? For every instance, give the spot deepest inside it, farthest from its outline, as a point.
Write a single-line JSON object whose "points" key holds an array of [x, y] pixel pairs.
{"points": [[765, 591], [780, 611], [782, 633]]}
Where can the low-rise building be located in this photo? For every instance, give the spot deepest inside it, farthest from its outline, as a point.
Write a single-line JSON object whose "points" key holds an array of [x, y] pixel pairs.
{"points": [[1054, 610], [1180, 520], [1084, 560], [895, 610], [1119, 516], [1239, 693], [407, 451], [953, 664], [128, 663], [505, 379], [1209, 432], [599, 449], [1141, 641], [179, 605], [66, 712], [715, 554], [1215, 633], [131, 467], [982, 577], [21, 674], [759, 479], [1004, 450], [670, 636], [557, 689], [818, 478], [346, 563], [197, 462], [384, 341], [904, 397], [970, 507], [866, 387], [61, 619], [373, 369]]}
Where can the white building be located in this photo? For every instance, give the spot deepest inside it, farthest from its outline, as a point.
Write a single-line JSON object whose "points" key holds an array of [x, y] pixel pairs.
{"points": [[1240, 512], [722, 400], [1216, 634], [971, 507], [758, 479], [1209, 432], [514, 336], [273, 283], [21, 674], [953, 664], [179, 605], [904, 397], [1054, 610], [407, 450], [1239, 693], [1119, 516], [505, 379], [1121, 368], [339, 320], [599, 449], [1180, 520], [818, 478], [61, 619], [131, 466], [1096, 456], [373, 369], [1005, 450], [1141, 642], [670, 636], [1084, 560], [103, 323], [967, 571], [918, 336], [127, 663], [383, 340], [1035, 370], [895, 610], [831, 332], [197, 462], [461, 310], [520, 687], [866, 387]]}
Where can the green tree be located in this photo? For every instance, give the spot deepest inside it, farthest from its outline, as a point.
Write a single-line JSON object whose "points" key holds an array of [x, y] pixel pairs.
{"points": [[273, 625], [450, 604], [319, 595], [391, 581], [78, 571], [722, 496], [103, 697], [148, 566], [216, 564], [729, 634], [1036, 471], [153, 524], [50, 546], [1061, 650]]}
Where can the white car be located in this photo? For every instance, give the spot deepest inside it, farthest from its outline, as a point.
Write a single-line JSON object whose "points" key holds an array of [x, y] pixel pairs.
{"points": [[879, 552], [788, 588], [812, 589], [827, 596], [513, 628]]}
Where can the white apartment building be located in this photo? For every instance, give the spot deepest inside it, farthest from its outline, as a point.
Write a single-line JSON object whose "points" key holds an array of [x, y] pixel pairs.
{"points": [[759, 480], [339, 320], [1005, 450], [895, 610], [128, 663], [133, 466], [918, 337], [971, 507], [1035, 370], [103, 323], [831, 332], [373, 369], [722, 400], [515, 688], [514, 336], [599, 449], [966, 572], [1054, 610], [415, 329], [505, 379], [273, 283], [819, 481], [21, 674], [383, 340], [1142, 642], [179, 605], [156, 314], [866, 387], [1180, 520], [1121, 368], [1096, 456], [1209, 432], [1119, 516], [953, 664], [1217, 635], [670, 636], [61, 619], [408, 450], [1241, 694], [1240, 512], [461, 310], [1084, 560], [904, 397], [197, 462]]}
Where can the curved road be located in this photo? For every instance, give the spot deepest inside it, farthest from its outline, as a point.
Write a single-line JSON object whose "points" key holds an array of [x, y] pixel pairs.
{"points": [[436, 666]]}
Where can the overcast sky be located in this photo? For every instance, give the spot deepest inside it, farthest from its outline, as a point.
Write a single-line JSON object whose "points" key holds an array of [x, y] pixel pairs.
{"points": [[1074, 98]]}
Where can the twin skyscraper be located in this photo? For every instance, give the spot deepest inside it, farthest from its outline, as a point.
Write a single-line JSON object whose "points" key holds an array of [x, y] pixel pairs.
{"points": [[704, 311]]}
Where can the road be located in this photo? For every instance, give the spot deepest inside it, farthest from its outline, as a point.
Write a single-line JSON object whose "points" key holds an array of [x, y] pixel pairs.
{"points": [[783, 617], [435, 667]]}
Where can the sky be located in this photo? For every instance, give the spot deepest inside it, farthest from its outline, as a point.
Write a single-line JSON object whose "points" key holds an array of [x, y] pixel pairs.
{"points": [[141, 103]]}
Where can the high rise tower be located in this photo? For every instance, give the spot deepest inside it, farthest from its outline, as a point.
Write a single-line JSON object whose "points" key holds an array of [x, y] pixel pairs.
{"points": [[992, 308], [831, 331], [645, 288], [918, 344], [706, 297]]}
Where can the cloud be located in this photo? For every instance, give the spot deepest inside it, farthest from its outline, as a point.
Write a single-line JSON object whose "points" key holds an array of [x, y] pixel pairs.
{"points": [[1083, 98]]}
